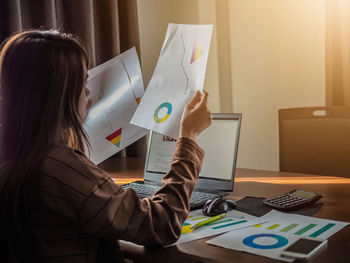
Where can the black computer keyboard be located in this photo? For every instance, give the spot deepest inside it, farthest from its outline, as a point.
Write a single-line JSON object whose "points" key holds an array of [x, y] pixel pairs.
{"points": [[197, 200]]}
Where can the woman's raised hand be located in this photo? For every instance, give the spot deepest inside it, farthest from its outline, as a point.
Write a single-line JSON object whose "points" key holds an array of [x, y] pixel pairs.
{"points": [[196, 116]]}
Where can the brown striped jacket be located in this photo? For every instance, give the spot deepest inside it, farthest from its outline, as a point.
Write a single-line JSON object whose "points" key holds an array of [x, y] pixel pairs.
{"points": [[82, 212]]}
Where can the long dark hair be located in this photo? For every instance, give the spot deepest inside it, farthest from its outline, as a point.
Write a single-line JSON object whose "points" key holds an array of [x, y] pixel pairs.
{"points": [[42, 75]]}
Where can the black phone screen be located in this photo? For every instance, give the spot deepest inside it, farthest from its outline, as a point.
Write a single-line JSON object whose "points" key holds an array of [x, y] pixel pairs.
{"points": [[303, 246]]}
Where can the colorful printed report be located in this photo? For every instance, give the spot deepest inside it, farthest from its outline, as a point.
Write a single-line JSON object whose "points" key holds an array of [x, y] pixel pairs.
{"points": [[233, 220], [179, 73], [116, 88]]}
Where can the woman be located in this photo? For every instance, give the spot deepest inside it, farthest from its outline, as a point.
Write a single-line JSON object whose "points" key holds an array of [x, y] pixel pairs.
{"points": [[55, 204]]}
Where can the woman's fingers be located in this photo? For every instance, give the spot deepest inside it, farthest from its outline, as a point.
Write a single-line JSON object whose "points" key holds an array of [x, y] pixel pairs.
{"points": [[196, 98], [196, 116], [204, 99]]}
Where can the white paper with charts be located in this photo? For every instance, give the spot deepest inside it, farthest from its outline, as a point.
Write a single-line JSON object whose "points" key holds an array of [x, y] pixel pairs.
{"points": [[116, 89], [234, 220], [268, 244], [179, 73], [282, 230]]}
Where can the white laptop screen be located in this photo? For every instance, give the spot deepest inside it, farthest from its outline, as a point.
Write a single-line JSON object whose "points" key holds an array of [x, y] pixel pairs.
{"points": [[219, 142]]}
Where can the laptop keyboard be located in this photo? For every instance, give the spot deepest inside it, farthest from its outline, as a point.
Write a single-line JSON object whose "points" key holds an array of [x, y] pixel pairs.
{"points": [[198, 199]]}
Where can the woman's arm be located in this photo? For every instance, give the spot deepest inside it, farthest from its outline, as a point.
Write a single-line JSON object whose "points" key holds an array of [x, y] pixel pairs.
{"points": [[73, 187], [112, 212], [158, 220]]}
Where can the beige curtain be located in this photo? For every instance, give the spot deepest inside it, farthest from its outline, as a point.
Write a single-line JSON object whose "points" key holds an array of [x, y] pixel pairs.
{"points": [[338, 52]]}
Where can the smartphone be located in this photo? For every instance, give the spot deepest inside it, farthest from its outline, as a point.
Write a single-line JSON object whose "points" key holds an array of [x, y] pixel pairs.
{"points": [[304, 248]]}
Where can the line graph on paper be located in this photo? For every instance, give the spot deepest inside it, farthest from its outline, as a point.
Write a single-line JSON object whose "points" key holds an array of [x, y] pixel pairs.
{"points": [[137, 98], [182, 61]]}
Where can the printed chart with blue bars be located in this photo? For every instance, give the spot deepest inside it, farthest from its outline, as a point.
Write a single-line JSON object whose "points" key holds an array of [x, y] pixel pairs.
{"points": [[223, 223], [278, 231]]}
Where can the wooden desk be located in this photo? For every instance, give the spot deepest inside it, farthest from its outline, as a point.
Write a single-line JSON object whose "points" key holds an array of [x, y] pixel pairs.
{"points": [[336, 192]]}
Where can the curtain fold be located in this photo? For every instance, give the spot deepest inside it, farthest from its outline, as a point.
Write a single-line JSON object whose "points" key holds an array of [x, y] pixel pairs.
{"points": [[129, 27], [34, 14], [106, 28]]}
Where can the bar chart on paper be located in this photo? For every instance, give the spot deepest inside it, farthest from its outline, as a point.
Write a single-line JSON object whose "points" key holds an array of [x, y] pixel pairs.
{"points": [[304, 230], [220, 224], [269, 239], [301, 225], [233, 220]]}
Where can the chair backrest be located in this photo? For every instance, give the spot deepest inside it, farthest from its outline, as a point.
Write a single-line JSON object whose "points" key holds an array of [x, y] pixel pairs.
{"points": [[315, 140]]}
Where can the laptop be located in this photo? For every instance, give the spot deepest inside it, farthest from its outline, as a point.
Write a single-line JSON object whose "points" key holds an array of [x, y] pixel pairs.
{"points": [[220, 143]]}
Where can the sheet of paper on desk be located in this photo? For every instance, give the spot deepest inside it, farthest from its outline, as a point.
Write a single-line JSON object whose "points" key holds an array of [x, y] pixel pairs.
{"points": [[282, 230], [234, 220], [116, 89], [252, 240], [178, 74]]}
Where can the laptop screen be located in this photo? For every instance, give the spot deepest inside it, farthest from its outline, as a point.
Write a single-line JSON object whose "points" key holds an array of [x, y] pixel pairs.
{"points": [[219, 141]]}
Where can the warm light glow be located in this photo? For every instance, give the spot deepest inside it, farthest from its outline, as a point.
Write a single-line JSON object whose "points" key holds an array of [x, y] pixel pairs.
{"points": [[271, 180], [296, 180]]}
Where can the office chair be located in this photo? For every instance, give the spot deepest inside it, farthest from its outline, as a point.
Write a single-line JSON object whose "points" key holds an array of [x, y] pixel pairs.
{"points": [[315, 140]]}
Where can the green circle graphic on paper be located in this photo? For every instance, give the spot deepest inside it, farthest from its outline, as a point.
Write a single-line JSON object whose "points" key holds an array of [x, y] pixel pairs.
{"points": [[161, 106]]}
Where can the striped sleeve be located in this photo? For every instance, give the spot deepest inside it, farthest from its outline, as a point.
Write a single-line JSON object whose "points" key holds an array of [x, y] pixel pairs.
{"points": [[103, 209]]}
